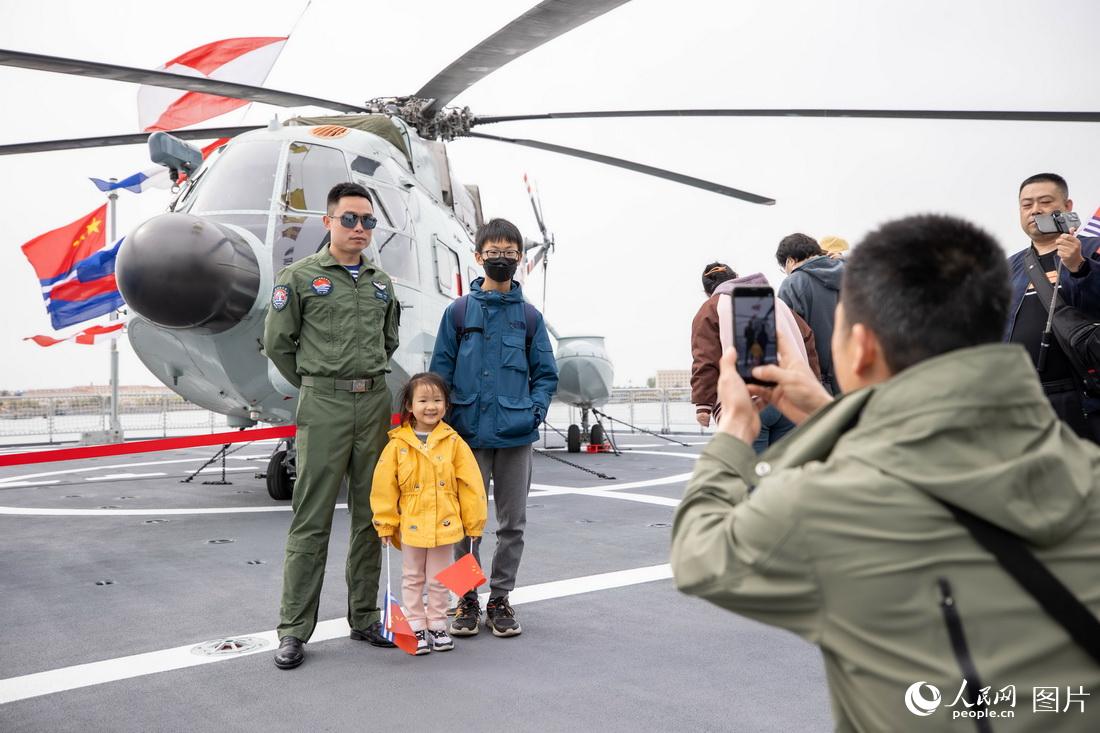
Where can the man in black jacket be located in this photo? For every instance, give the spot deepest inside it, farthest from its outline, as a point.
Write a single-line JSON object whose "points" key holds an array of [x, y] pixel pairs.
{"points": [[1074, 263]]}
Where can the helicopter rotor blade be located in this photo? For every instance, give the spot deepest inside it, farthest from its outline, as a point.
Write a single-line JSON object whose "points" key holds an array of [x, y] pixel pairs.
{"points": [[99, 70], [534, 261], [899, 114], [537, 208], [544, 22], [631, 165], [137, 138]]}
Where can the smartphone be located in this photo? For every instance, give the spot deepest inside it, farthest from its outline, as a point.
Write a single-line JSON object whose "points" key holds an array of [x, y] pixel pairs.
{"points": [[754, 329]]}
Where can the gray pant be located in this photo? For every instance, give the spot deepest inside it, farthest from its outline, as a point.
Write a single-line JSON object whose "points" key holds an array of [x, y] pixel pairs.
{"points": [[510, 471]]}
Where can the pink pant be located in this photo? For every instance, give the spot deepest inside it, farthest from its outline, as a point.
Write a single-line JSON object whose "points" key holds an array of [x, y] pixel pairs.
{"points": [[418, 565]]}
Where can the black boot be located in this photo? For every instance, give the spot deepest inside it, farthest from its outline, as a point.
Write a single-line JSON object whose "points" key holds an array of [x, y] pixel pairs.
{"points": [[372, 635], [290, 653]]}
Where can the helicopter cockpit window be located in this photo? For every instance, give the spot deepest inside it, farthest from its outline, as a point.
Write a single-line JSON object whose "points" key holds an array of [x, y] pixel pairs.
{"points": [[366, 166], [311, 171], [398, 254], [392, 204], [241, 179]]}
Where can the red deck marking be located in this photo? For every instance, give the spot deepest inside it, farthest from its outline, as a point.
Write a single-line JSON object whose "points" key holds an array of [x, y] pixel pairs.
{"points": [[146, 446]]}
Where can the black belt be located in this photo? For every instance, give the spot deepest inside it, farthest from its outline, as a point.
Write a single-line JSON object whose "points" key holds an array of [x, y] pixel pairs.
{"points": [[1060, 385], [345, 385]]}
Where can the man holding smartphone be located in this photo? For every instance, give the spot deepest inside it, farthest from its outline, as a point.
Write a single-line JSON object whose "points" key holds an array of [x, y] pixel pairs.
{"points": [[1073, 263], [850, 533]]}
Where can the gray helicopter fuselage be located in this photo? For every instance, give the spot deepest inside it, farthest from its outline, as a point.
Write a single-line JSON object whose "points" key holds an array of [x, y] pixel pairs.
{"points": [[268, 187]]}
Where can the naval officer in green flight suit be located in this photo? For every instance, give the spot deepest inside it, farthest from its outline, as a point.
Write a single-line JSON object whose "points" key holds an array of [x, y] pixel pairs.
{"points": [[331, 330]]}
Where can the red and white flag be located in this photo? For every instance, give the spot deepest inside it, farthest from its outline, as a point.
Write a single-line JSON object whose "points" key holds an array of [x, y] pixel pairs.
{"points": [[241, 60], [87, 336]]}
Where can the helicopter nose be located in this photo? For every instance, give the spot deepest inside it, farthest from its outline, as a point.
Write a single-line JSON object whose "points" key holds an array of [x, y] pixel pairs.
{"points": [[182, 271]]}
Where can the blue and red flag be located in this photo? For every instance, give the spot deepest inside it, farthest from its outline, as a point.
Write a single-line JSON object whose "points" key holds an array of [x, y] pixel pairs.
{"points": [[1091, 227], [156, 177], [76, 273], [395, 627]]}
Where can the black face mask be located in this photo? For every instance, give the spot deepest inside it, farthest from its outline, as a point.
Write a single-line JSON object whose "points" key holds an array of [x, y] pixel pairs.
{"points": [[500, 269]]}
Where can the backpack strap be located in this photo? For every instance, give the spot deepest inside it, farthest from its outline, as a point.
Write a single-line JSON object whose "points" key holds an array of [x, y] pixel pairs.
{"points": [[458, 318], [530, 319], [1050, 593], [462, 304]]}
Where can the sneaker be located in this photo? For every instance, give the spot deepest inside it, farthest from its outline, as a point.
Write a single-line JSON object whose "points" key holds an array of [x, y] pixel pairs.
{"points": [[441, 642], [467, 616], [500, 618], [422, 645]]}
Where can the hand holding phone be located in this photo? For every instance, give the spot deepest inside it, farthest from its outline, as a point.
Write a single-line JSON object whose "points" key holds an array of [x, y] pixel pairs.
{"points": [[754, 334]]}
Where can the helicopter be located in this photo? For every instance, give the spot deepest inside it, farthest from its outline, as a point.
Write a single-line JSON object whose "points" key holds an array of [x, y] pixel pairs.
{"points": [[253, 208]]}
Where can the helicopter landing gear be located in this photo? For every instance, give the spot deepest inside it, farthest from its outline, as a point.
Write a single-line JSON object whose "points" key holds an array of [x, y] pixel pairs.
{"points": [[592, 440], [573, 439], [282, 472]]}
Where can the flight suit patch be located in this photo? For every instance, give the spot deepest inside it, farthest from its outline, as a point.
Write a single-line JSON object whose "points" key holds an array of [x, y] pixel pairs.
{"points": [[280, 296], [321, 285], [380, 291]]}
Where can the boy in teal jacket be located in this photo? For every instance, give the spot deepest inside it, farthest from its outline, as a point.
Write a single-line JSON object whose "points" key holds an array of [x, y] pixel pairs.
{"points": [[493, 352]]}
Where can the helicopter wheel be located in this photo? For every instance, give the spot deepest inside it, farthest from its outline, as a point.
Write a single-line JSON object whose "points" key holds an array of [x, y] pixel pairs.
{"points": [[573, 439], [280, 486], [596, 436]]}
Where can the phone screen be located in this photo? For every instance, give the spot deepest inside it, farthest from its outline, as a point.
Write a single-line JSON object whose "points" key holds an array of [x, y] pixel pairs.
{"points": [[754, 329]]}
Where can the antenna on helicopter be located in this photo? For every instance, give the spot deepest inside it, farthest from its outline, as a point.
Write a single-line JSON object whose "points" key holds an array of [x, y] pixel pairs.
{"points": [[543, 249]]}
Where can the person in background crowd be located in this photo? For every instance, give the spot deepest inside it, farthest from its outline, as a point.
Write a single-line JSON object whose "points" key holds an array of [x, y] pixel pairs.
{"points": [[1074, 263], [835, 247], [707, 343], [811, 290]]}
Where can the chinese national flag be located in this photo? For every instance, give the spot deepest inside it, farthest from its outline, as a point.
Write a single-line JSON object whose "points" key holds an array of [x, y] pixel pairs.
{"points": [[398, 625], [464, 575], [54, 253]]}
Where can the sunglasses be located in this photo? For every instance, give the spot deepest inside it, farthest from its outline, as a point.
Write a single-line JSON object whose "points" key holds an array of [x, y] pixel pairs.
{"points": [[349, 220]]}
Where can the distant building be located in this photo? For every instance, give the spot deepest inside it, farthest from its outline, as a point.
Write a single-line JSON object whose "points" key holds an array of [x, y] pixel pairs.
{"points": [[94, 389], [673, 378]]}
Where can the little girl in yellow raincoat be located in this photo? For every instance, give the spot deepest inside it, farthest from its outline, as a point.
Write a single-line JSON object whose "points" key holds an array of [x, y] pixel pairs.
{"points": [[428, 493]]}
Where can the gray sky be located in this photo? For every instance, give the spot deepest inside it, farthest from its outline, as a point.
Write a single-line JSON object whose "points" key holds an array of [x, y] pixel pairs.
{"points": [[630, 248]]}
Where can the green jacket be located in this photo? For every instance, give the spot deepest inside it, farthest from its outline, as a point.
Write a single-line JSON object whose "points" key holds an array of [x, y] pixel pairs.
{"points": [[323, 323], [843, 541]]}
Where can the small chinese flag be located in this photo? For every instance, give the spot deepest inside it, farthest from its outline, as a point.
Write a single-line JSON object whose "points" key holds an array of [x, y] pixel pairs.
{"points": [[397, 626], [464, 575]]}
